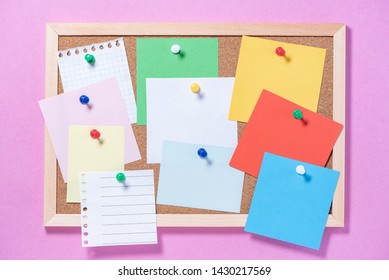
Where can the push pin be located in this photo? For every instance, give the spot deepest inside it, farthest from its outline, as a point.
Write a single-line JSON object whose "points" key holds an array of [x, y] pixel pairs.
{"points": [[297, 114], [195, 88], [175, 49], [202, 153], [121, 177], [300, 170], [84, 99], [95, 134], [90, 58], [280, 51]]}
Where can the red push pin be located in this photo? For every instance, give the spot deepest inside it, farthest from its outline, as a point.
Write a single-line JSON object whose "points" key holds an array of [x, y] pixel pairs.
{"points": [[280, 51], [95, 134]]}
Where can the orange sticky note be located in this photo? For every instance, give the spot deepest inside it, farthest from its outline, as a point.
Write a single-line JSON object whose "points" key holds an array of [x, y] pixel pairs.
{"points": [[273, 128]]}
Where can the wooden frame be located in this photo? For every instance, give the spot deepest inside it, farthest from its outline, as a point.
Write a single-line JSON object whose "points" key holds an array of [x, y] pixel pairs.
{"points": [[337, 31]]}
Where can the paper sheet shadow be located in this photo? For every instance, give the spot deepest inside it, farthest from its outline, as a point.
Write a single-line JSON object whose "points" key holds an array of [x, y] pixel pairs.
{"points": [[123, 251]]}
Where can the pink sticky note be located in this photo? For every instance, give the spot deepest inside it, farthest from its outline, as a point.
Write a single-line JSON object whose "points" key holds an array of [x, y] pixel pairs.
{"points": [[106, 107]]}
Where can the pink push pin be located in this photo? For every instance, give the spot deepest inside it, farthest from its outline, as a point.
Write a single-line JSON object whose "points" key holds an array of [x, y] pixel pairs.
{"points": [[280, 51], [95, 134]]}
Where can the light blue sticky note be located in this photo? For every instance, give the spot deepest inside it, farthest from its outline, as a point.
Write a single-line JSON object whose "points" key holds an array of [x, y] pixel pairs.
{"points": [[291, 207], [190, 181]]}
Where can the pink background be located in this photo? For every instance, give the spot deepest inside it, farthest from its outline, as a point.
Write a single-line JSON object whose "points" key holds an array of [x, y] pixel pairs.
{"points": [[22, 79]]}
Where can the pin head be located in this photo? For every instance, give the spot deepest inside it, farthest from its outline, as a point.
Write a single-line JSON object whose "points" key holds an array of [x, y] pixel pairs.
{"points": [[195, 88], [300, 170], [121, 177], [95, 134], [90, 58], [297, 114], [202, 153], [280, 51], [175, 49], [84, 99]]}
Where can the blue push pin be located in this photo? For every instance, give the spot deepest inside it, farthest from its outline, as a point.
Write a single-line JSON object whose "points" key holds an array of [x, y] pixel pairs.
{"points": [[202, 153], [84, 99]]}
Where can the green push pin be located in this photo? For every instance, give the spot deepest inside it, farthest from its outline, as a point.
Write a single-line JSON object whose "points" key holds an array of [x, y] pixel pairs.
{"points": [[121, 177], [90, 58], [297, 114]]}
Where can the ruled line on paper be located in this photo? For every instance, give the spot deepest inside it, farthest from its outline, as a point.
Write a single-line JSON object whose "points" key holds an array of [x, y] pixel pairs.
{"points": [[125, 195], [121, 186], [122, 233], [125, 224], [127, 176], [129, 214], [140, 204]]}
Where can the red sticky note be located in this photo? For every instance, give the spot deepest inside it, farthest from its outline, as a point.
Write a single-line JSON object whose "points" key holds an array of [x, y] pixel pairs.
{"points": [[272, 128]]}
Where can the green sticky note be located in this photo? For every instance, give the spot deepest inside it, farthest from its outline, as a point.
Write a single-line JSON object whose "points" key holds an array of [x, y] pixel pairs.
{"points": [[154, 59]]}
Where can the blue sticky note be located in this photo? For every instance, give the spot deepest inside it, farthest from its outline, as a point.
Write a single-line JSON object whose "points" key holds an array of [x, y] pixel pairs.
{"points": [[188, 180], [291, 207]]}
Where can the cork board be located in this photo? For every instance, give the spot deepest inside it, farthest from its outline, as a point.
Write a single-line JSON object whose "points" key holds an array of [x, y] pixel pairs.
{"points": [[228, 57]]}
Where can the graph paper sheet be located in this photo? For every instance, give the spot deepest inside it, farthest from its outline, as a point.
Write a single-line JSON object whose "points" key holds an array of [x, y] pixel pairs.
{"points": [[114, 213], [110, 62]]}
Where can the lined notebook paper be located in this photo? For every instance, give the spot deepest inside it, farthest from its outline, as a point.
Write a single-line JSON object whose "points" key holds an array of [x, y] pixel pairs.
{"points": [[110, 62], [114, 213]]}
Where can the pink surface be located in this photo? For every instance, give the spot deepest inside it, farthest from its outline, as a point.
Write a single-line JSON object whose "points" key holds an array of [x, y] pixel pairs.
{"points": [[106, 108], [22, 78]]}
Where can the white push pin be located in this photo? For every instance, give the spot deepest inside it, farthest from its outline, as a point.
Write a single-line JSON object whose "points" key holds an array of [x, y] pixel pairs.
{"points": [[300, 170], [175, 49]]}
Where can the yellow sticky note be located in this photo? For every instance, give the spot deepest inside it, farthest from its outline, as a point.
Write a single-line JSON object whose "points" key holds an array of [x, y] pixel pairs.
{"points": [[88, 154], [297, 76]]}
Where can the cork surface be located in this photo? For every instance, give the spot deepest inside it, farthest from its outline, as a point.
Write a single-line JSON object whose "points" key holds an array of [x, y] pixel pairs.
{"points": [[228, 59]]}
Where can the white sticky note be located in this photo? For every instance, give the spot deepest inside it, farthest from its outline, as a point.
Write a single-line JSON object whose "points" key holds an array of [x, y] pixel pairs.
{"points": [[110, 62], [114, 213], [190, 181], [175, 113]]}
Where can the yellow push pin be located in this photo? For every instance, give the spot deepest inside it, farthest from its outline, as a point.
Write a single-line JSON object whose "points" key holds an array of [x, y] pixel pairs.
{"points": [[195, 88]]}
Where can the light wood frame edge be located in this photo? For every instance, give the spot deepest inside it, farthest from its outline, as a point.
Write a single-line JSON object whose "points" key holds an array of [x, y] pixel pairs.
{"points": [[337, 31], [339, 115], [50, 170]]}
